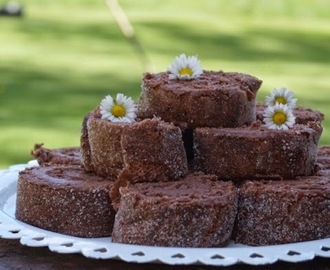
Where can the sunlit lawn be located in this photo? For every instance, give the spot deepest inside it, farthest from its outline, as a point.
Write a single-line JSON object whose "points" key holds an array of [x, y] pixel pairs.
{"points": [[63, 57]]}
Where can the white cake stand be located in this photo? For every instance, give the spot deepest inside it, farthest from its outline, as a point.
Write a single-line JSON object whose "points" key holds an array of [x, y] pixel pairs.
{"points": [[103, 248]]}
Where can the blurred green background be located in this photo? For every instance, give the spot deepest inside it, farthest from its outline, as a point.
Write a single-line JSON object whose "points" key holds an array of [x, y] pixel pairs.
{"points": [[62, 57]]}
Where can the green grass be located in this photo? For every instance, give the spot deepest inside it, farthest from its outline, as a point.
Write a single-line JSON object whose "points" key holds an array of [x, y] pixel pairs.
{"points": [[63, 57]]}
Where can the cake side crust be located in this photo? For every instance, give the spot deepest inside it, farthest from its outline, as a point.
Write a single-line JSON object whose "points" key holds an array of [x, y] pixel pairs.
{"points": [[256, 152], [183, 219], [66, 200], [279, 212]]}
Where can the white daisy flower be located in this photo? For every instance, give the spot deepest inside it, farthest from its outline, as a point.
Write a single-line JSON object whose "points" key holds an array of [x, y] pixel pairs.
{"points": [[279, 116], [282, 96], [185, 68], [121, 109]]}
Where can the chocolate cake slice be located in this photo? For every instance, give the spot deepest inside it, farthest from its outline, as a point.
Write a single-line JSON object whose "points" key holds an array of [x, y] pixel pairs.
{"points": [[65, 199], [100, 145], [279, 212], [153, 151], [60, 156], [147, 150], [198, 211], [256, 152], [214, 99]]}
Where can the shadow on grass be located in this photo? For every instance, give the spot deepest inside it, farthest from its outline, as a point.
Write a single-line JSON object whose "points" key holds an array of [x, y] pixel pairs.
{"points": [[39, 29], [257, 44], [36, 91], [37, 97], [35, 100], [262, 44]]}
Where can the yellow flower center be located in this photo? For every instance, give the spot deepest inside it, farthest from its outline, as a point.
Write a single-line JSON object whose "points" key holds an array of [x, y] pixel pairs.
{"points": [[185, 71], [279, 118], [280, 100], [118, 110]]}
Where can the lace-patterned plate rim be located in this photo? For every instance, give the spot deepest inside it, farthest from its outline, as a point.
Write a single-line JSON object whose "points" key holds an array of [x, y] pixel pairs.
{"points": [[103, 248]]}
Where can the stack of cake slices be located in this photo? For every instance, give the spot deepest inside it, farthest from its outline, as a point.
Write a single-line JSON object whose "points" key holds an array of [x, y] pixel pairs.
{"points": [[199, 165]]}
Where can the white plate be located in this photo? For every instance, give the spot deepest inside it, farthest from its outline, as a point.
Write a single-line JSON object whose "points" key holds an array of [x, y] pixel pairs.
{"points": [[103, 248]]}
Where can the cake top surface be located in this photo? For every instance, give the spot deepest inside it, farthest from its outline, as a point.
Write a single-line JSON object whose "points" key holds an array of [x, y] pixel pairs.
{"points": [[257, 129], [68, 155], [302, 114], [208, 80], [306, 185], [154, 124], [138, 124], [64, 176], [195, 186]]}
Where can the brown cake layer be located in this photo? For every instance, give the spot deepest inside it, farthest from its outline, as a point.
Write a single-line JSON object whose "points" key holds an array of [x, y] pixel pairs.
{"points": [[198, 211], [65, 199], [323, 156], [215, 99], [152, 151], [85, 151], [279, 212], [256, 152], [146, 150], [323, 160], [64, 156], [323, 151], [303, 115], [100, 145]]}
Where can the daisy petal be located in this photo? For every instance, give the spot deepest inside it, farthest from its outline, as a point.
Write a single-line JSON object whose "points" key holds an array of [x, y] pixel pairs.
{"points": [[121, 109], [279, 117], [282, 96], [185, 68]]}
